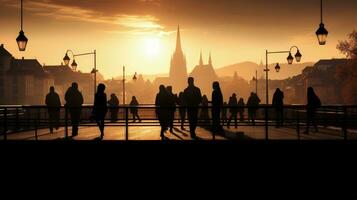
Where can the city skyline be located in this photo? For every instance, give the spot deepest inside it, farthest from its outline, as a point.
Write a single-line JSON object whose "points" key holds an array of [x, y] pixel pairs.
{"points": [[141, 34]]}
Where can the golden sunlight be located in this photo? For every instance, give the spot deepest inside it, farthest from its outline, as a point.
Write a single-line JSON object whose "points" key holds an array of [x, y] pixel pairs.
{"points": [[152, 47]]}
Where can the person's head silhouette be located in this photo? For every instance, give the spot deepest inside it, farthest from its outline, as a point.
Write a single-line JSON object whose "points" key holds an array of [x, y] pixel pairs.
{"points": [[112, 95], [190, 81], [75, 85], [133, 98], [169, 89], [234, 95], [101, 88], [52, 89], [162, 88], [215, 85]]}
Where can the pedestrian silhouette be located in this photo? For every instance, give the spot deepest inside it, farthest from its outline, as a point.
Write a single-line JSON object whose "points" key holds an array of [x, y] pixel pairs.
{"points": [[253, 103], [172, 107], [134, 109], [53, 103], [162, 103], [100, 108], [241, 109], [193, 98], [278, 104], [182, 109], [204, 117], [113, 107], [313, 103], [217, 103], [233, 110], [74, 101]]}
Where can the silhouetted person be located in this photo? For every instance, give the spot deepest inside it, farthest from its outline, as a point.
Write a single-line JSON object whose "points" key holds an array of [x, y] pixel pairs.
{"points": [[233, 103], [53, 103], [278, 103], [172, 105], [113, 107], [253, 103], [74, 101], [204, 110], [241, 109], [217, 103], [193, 98], [182, 109], [224, 113], [134, 108], [313, 102], [100, 108], [161, 102]]}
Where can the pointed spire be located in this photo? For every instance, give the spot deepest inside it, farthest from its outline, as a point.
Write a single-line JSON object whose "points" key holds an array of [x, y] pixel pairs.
{"points": [[210, 59], [178, 40], [201, 60]]}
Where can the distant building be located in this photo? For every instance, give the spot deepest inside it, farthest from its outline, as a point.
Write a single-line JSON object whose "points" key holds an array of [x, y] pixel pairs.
{"points": [[5, 62], [204, 75]]}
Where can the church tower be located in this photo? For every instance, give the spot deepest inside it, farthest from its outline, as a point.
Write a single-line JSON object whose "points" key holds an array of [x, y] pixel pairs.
{"points": [[178, 69]]}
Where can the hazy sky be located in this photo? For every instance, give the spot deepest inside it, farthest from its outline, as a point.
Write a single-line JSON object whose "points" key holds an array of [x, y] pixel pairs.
{"points": [[141, 33]]}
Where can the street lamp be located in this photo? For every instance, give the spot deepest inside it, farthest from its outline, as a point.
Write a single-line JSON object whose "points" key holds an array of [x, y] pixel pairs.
{"points": [[290, 60], [256, 81], [134, 77], [21, 39], [321, 32], [66, 60]]}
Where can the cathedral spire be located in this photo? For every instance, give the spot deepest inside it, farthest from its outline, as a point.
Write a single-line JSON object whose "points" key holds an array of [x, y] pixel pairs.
{"points": [[178, 40], [201, 60], [210, 59]]}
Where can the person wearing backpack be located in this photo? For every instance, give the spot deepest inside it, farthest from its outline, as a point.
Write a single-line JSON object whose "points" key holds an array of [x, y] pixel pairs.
{"points": [[313, 103]]}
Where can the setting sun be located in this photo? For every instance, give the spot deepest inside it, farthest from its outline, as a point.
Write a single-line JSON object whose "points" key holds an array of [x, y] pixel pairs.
{"points": [[152, 47]]}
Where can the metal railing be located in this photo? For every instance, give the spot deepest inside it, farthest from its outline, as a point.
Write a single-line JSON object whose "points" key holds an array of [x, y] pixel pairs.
{"points": [[15, 119]]}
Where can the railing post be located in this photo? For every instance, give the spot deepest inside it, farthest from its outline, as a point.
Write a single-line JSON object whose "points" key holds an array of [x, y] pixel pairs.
{"points": [[5, 123], [65, 122], [126, 124], [344, 128], [298, 123], [266, 123]]}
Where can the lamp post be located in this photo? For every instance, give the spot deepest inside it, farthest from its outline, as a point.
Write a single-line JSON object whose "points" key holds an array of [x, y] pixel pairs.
{"points": [[74, 65], [321, 32], [134, 79], [256, 81], [21, 39], [290, 60]]}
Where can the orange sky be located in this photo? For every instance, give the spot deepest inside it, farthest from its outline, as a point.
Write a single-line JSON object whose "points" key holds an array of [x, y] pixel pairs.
{"points": [[141, 33]]}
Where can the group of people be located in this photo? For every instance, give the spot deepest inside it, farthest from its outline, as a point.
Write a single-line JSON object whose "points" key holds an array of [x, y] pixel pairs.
{"points": [[189, 102]]}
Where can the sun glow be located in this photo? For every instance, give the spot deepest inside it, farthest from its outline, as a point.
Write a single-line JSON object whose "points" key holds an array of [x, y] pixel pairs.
{"points": [[152, 47]]}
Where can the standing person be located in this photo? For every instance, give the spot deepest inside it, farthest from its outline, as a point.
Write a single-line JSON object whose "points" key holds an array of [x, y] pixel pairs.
{"points": [[241, 109], [100, 108], [161, 103], [134, 108], [53, 103], [172, 107], [217, 103], [192, 96], [204, 110], [233, 103], [74, 101], [224, 113], [113, 107], [278, 104], [253, 103], [182, 109], [313, 102]]}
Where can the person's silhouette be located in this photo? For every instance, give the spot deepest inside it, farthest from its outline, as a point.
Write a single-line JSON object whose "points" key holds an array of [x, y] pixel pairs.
{"points": [[253, 103], [134, 108], [74, 101], [278, 104], [217, 103], [113, 107], [172, 105], [204, 117], [182, 109], [161, 103], [100, 108], [224, 118], [233, 110], [53, 103], [241, 109], [313, 103], [192, 97]]}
